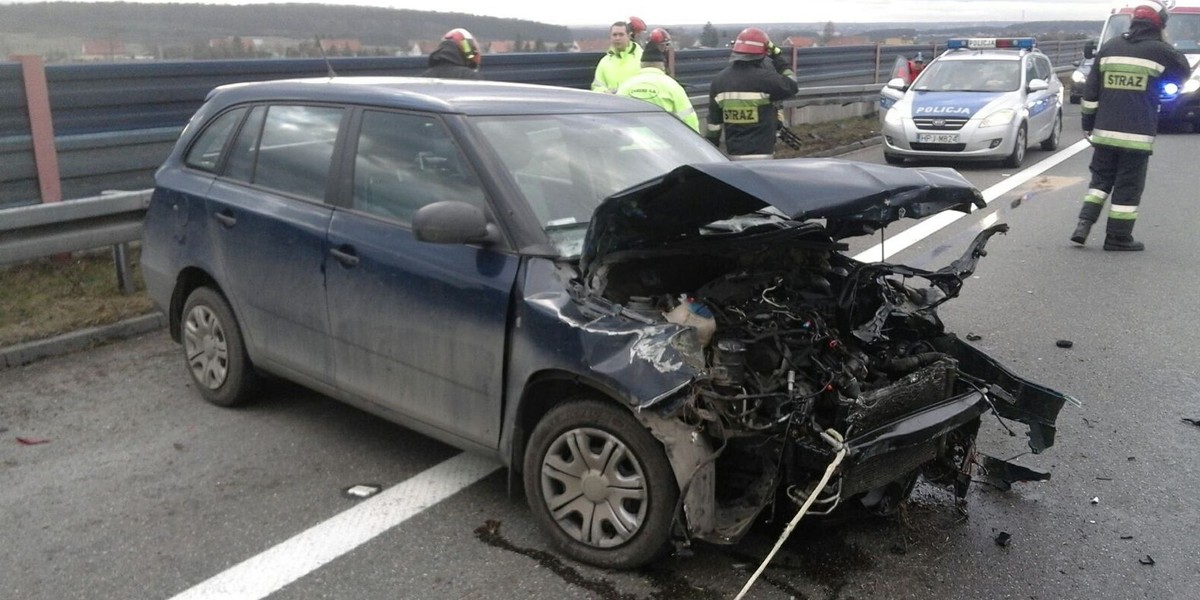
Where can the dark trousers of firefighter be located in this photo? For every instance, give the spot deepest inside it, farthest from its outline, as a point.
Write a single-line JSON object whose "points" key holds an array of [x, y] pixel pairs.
{"points": [[1118, 175]]}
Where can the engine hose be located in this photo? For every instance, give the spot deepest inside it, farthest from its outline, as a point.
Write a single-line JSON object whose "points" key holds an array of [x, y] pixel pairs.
{"points": [[837, 460]]}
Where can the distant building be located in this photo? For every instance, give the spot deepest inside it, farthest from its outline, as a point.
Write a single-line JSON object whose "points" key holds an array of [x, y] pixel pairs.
{"points": [[799, 41], [341, 45], [103, 50], [598, 45], [850, 40]]}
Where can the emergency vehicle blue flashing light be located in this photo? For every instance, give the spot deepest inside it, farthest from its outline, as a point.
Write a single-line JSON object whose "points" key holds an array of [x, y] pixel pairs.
{"points": [[1022, 43], [1169, 91]]}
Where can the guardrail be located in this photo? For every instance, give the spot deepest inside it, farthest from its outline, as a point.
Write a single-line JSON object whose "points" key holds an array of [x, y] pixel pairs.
{"points": [[114, 219], [48, 229], [114, 123]]}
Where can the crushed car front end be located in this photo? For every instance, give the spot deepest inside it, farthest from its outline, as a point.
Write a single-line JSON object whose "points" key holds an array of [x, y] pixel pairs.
{"points": [[755, 350]]}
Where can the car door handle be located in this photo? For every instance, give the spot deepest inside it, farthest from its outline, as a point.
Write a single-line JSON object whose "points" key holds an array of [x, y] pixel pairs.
{"points": [[226, 218], [345, 255]]}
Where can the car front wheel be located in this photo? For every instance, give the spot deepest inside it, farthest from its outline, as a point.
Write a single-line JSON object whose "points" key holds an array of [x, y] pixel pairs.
{"points": [[214, 349], [1017, 158], [599, 483]]}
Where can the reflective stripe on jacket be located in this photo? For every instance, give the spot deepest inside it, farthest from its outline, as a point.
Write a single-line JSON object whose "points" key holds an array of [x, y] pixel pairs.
{"points": [[653, 85], [1121, 94], [615, 67]]}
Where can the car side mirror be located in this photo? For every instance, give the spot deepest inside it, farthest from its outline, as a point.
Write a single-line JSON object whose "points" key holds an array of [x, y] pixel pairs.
{"points": [[897, 84], [1089, 49], [453, 222], [1038, 85]]}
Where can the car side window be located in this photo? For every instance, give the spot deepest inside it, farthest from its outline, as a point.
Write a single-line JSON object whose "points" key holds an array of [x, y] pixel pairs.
{"points": [[404, 162], [296, 149], [290, 152], [1030, 71], [242, 155], [205, 153], [1043, 68]]}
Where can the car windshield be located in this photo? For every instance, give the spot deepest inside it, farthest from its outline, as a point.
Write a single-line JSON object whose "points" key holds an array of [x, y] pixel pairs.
{"points": [[970, 76], [565, 165], [1183, 30]]}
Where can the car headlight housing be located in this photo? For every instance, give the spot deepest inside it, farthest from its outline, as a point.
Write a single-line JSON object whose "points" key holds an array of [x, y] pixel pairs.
{"points": [[1003, 116], [1078, 77], [893, 117]]}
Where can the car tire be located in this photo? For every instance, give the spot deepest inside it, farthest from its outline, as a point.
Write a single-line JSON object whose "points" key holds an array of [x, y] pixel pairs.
{"points": [[588, 458], [893, 159], [1017, 158], [214, 351], [1050, 144]]}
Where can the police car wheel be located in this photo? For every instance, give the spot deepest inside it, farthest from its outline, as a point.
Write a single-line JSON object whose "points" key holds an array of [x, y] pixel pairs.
{"points": [[1050, 144], [1017, 158], [893, 159]]}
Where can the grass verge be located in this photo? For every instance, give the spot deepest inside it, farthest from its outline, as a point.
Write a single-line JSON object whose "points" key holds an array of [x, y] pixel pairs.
{"points": [[47, 297]]}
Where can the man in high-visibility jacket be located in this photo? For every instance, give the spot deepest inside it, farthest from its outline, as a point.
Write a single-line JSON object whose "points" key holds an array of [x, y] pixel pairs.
{"points": [[1120, 115], [622, 61], [653, 85]]}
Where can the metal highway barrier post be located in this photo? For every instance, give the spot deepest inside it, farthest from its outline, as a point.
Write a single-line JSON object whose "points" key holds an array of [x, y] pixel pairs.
{"points": [[45, 229]]}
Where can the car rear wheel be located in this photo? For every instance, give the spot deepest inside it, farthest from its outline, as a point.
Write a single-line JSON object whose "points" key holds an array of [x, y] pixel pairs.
{"points": [[893, 159], [214, 350], [1017, 158], [1051, 143], [600, 485]]}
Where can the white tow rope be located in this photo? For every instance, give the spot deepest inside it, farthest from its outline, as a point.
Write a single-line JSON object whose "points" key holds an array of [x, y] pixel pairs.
{"points": [[837, 460]]}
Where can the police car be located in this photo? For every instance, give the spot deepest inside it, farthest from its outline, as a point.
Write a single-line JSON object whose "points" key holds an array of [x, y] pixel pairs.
{"points": [[983, 99]]}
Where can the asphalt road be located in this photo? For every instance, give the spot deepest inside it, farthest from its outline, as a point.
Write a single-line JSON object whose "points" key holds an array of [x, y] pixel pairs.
{"points": [[144, 491]]}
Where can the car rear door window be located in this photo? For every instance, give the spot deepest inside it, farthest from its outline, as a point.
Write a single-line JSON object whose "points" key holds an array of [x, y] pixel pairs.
{"points": [[404, 162], [205, 153], [292, 154]]}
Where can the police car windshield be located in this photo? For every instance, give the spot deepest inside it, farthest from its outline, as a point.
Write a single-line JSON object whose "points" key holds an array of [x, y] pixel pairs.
{"points": [[565, 165], [970, 76]]}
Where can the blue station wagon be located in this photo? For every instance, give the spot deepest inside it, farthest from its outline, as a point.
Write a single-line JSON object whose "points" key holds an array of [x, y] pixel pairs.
{"points": [[658, 342]]}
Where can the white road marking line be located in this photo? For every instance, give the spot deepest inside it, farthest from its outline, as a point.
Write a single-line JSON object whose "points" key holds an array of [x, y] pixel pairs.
{"points": [[304, 553], [931, 225]]}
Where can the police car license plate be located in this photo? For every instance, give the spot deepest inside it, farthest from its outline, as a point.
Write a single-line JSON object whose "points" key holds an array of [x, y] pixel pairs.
{"points": [[937, 138]]}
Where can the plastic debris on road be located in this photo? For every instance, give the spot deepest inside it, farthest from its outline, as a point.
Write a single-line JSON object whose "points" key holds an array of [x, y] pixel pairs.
{"points": [[362, 490]]}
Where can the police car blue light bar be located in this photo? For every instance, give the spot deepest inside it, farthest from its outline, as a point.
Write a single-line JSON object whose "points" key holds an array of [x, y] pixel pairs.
{"points": [[1021, 43]]}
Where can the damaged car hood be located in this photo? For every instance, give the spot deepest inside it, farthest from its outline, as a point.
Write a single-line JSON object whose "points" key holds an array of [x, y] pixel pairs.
{"points": [[854, 198]]}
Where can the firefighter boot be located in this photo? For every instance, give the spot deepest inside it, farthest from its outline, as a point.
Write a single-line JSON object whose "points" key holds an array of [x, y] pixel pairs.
{"points": [[1119, 236], [1081, 231], [1123, 242]]}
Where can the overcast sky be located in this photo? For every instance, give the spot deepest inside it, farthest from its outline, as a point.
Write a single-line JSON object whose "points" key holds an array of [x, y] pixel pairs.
{"points": [[576, 12]]}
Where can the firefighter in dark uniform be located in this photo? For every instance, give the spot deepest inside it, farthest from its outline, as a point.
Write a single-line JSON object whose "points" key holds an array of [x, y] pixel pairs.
{"points": [[742, 97], [456, 57], [1120, 116]]}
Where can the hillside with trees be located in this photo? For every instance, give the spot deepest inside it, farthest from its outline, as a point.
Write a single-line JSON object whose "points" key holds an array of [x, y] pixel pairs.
{"points": [[158, 24]]}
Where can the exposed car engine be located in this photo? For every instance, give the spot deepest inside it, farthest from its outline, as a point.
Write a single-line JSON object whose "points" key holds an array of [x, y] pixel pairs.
{"points": [[804, 340]]}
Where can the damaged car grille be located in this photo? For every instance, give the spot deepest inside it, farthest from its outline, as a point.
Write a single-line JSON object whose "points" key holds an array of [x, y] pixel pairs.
{"points": [[788, 344]]}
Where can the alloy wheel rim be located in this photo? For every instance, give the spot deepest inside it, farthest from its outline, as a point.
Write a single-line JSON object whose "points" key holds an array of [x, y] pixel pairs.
{"points": [[594, 487], [206, 348]]}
